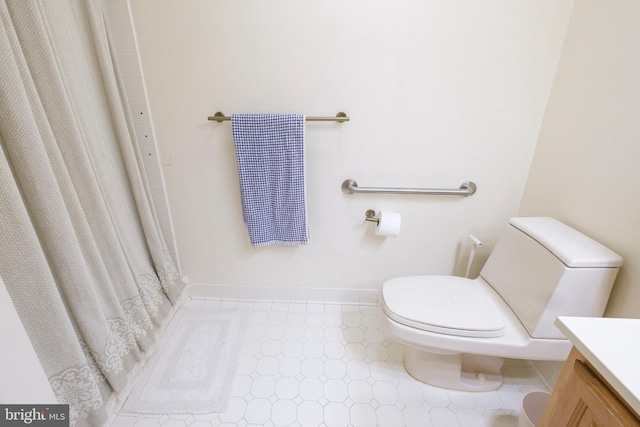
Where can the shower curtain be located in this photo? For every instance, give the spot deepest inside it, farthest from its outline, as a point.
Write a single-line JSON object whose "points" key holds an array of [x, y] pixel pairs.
{"points": [[81, 252]]}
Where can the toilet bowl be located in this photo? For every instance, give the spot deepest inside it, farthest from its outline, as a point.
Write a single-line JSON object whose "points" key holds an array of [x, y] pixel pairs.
{"points": [[457, 330]]}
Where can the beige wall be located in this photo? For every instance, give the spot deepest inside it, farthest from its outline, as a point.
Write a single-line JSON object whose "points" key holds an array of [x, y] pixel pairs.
{"points": [[586, 169], [438, 93], [123, 37]]}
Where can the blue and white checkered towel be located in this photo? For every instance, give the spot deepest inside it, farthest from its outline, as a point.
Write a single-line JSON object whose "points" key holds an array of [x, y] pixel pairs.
{"points": [[270, 154]]}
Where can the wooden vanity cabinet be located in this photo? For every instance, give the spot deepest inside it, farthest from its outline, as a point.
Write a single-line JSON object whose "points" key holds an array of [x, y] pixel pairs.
{"points": [[581, 399]]}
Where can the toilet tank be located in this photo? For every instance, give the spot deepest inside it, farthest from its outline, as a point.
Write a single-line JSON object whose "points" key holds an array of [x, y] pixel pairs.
{"points": [[543, 269]]}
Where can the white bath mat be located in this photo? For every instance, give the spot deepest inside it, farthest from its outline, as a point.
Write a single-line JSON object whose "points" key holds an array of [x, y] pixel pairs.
{"points": [[193, 368]]}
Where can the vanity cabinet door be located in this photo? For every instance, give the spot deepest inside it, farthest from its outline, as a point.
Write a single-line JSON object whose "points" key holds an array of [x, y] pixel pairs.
{"points": [[582, 400]]}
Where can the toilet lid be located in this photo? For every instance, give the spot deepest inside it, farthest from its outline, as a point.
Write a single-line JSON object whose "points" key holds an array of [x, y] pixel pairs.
{"points": [[444, 304]]}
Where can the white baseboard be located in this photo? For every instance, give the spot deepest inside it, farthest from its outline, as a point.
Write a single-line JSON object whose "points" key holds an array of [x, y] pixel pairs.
{"points": [[284, 294]]}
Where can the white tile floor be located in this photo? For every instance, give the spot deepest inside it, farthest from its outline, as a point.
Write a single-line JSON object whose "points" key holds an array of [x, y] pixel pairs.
{"points": [[333, 365]]}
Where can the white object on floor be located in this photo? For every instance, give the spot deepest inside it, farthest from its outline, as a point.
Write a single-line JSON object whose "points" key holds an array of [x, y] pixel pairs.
{"points": [[193, 368], [532, 408]]}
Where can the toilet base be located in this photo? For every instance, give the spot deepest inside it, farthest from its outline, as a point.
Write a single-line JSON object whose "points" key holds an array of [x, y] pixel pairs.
{"points": [[454, 371]]}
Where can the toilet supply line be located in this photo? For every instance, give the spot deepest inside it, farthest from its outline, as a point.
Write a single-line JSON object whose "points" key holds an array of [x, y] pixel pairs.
{"points": [[476, 244]]}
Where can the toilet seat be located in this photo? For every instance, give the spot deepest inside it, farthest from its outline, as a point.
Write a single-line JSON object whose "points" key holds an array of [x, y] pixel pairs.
{"points": [[442, 304]]}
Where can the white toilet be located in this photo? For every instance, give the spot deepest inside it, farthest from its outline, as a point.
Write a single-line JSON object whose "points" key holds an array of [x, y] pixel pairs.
{"points": [[458, 330]]}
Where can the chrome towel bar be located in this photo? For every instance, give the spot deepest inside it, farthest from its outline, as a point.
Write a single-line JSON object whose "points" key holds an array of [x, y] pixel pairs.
{"points": [[340, 117], [467, 189]]}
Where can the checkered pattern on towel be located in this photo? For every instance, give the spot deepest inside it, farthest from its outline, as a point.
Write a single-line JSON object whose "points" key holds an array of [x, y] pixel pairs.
{"points": [[270, 154]]}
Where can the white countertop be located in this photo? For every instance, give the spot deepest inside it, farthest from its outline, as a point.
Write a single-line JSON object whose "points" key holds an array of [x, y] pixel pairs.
{"points": [[612, 346]]}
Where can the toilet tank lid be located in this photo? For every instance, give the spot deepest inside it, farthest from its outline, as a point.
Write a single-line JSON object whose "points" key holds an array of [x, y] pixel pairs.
{"points": [[572, 247]]}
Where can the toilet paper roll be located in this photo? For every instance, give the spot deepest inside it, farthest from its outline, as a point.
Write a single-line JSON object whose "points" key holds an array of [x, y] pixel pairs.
{"points": [[388, 224]]}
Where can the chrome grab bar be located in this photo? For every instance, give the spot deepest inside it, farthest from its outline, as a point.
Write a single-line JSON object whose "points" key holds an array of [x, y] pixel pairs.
{"points": [[467, 188]]}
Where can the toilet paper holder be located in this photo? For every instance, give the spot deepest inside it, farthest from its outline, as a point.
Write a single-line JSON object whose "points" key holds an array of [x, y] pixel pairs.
{"points": [[387, 223], [370, 215]]}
